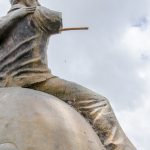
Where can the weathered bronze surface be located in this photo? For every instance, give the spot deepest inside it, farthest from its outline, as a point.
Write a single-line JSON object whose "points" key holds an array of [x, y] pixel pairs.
{"points": [[23, 55], [24, 35]]}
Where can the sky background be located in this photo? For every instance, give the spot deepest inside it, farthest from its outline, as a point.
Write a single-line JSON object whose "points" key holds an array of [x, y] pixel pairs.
{"points": [[111, 58]]}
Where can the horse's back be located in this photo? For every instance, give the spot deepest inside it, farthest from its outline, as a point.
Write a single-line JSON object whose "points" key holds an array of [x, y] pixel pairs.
{"points": [[33, 120]]}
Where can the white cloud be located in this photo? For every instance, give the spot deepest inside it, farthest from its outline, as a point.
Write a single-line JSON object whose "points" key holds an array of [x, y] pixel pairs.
{"points": [[137, 124], [136, 41]]}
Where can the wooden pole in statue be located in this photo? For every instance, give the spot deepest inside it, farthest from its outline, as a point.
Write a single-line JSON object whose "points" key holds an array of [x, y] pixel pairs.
{"points": [[76, 28]]}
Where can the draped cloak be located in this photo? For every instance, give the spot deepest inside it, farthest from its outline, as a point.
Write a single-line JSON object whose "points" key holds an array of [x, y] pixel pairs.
{"points": [[23, 50]]}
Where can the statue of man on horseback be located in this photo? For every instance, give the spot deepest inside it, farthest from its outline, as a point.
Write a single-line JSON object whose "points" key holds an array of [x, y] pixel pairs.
{"points": [[24, 35]]}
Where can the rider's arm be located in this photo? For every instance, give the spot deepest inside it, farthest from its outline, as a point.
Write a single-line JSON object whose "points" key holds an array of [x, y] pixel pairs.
{"points": [[11, 18], [48, 20]]}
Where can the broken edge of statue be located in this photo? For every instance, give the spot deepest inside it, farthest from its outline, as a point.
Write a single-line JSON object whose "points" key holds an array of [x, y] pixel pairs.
{"points": [[33, 120]]}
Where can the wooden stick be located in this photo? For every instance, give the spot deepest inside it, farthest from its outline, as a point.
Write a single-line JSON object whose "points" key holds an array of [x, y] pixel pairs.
{"points": [[78, 28]]}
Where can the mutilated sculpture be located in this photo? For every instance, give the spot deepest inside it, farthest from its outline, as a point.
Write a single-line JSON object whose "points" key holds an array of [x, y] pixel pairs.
{"points": [[24, 35]]}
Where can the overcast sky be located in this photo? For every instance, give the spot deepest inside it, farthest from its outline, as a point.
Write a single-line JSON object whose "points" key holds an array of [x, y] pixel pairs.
{"points": [[112, 58]]}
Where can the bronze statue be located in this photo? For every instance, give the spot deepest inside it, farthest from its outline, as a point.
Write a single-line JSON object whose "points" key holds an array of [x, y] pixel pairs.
{"points": [[24, 35]]}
